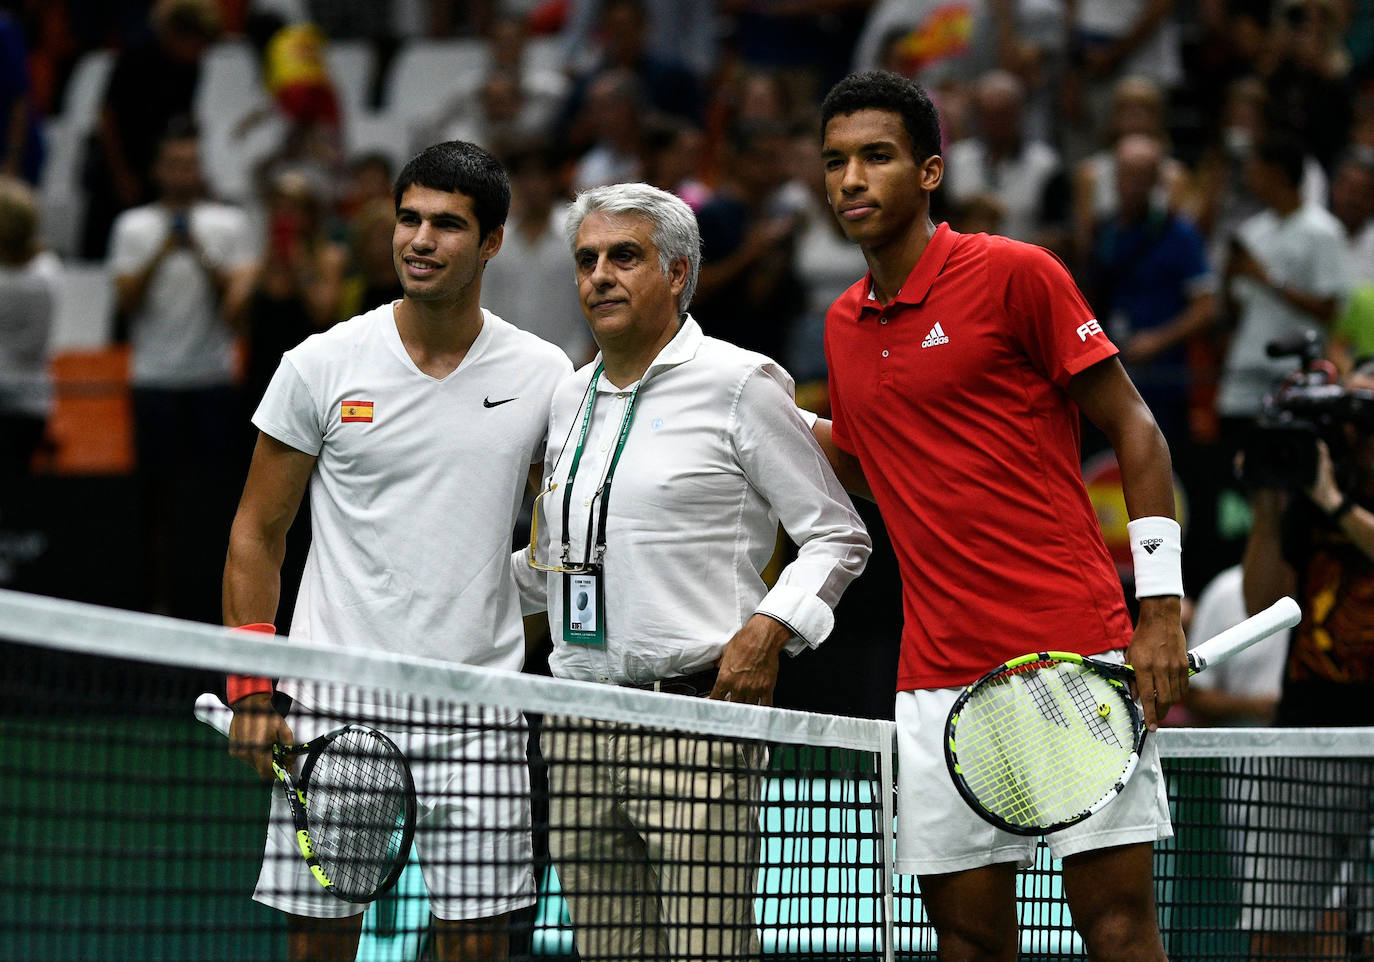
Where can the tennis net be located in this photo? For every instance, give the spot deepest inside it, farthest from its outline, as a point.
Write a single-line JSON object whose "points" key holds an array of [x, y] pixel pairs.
{"points": [[128, 832]]}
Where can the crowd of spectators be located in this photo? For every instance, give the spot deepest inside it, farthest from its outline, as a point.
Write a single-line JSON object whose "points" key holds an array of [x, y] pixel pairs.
{"points": [[1204, 167]]}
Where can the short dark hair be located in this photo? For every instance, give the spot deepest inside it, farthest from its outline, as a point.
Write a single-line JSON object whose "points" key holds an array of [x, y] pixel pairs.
{"points": [[456, 166], [882, 90], [1285, 152]]}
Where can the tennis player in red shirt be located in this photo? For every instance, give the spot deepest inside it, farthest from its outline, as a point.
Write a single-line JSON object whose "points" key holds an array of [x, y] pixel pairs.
{"points": [[958, 368]]}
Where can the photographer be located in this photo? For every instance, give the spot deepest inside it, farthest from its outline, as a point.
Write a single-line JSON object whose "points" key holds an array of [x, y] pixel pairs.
{"points": [[1315, 541], [1313, 538], [179, 266]]}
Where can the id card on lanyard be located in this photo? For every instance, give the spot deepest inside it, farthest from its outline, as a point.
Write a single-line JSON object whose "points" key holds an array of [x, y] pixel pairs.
{"points": [[584, 590], [583, 603]]}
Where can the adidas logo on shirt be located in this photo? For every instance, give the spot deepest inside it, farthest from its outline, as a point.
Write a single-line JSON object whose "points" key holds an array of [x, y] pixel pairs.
{"points": [[935, 337]]}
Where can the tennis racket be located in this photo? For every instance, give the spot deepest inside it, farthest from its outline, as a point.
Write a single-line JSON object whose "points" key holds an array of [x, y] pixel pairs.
{"points": [[353, 804], [1044, 741]]}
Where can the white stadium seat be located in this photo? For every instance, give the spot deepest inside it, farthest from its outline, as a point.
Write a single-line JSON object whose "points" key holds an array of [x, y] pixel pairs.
{"points": [[427, 74], [85, 308], [61, 198]]}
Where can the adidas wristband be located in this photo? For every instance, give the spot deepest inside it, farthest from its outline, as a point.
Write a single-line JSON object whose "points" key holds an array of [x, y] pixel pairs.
{"points": [[1157, 551], [237, 687]]}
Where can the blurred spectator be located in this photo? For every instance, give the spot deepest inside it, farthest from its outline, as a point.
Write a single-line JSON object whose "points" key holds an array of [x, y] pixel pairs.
{"points": [[1116, 37], [1110, 39], [496, 117], [1149, 282], [664, 84], [531, 283], [681, 30], [1352, 202], [21, 139], [153, 80], [806, 43], [372, 21], [371, 280], [294, 291], [1219, 198], [748, 292], [295, 71], [1306, 71], [28, 282], [301, 97], [1232, 36], [672, 159], [1137, 109], [1286, 272], [1023, 175], [515, 102], [55, 41], [295, 287], [367, 179], [612, 117], [747, 94], [1315, 542], [1244, 689], [542, 88], [741, 95], [941, 45], [181, 264]]}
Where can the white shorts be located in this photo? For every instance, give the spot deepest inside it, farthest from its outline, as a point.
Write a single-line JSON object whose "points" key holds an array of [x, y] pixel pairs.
{"points": [[472, 834], [938, 833]]}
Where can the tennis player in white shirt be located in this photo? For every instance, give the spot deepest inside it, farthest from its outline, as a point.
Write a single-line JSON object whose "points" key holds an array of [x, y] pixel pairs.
{"points": [[413, 429]]}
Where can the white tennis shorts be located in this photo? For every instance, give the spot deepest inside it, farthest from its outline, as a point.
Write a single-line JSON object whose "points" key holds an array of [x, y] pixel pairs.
{"points": [[937, 831], [472, 833]]}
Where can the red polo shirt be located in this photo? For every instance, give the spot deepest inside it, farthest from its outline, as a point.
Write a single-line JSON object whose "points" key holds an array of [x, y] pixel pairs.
{"points": [[953, 399]]}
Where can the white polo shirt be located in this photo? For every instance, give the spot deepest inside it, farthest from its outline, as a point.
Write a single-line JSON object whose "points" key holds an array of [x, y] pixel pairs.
{"points": [[716, 455], [416, 487]]}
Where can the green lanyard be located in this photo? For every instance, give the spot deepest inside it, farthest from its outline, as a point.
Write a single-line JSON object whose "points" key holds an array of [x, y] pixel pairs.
{"points": [[604, 492]]}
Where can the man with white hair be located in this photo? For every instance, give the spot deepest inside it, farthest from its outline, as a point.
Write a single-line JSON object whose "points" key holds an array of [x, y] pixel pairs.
{"points": [[654, 583]]}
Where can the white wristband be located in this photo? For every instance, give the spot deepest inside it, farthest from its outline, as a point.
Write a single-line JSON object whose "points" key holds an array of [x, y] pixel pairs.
{"points": [[1157, 551]]}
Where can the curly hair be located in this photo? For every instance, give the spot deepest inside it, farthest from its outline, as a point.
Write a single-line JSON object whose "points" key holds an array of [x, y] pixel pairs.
{"points": [[881, 90]]}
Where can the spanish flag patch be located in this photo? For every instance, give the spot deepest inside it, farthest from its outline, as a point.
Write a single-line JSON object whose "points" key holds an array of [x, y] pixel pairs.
{"points": [[356, 411]]}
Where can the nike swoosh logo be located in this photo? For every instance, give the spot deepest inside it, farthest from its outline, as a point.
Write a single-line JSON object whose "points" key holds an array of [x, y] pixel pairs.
{"points": [[489, 403]]}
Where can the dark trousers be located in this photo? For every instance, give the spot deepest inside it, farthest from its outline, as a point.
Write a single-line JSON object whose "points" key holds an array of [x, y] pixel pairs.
{"points": [[190, 475]]}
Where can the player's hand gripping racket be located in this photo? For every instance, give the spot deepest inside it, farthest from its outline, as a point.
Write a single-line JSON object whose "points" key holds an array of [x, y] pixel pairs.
{"points": [[353, 804], [1047, 739]]}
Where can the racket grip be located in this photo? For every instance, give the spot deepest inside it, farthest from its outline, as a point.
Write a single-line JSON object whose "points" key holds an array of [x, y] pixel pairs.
{"points": [[211, 711], [1283, 613]]}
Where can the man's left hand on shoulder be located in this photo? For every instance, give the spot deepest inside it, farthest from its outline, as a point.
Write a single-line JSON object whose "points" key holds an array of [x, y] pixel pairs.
{"points": [[749, 663], [1159, 654]]}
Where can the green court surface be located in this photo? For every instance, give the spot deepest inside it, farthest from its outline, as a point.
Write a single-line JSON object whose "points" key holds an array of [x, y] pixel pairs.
{"points": [[126, 840]]}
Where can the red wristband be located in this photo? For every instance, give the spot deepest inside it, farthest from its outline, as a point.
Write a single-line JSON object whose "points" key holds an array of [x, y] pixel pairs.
{"points": [[241, 686]]}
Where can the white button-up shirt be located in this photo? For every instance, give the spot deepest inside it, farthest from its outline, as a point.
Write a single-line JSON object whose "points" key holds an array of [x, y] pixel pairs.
{"points": [[716, 455]]}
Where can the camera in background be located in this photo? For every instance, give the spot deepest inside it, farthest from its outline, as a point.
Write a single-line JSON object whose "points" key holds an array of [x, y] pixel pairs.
{"points": [[1308, 406]]}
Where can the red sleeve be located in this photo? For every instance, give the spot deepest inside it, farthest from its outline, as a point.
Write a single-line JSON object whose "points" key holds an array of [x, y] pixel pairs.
{"points": [[1057, 328]]}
